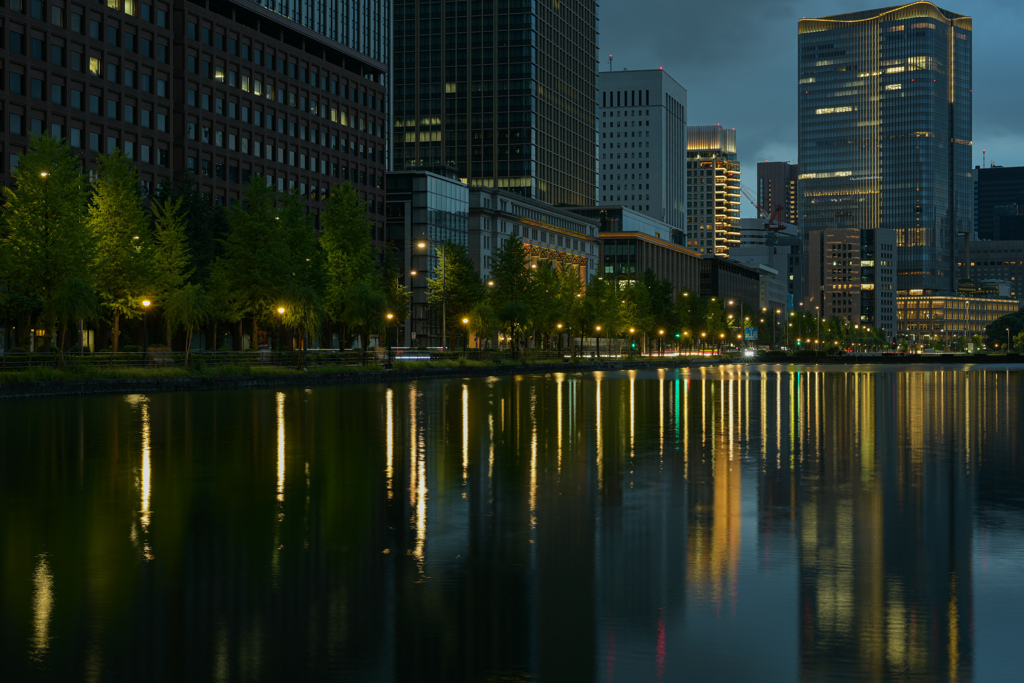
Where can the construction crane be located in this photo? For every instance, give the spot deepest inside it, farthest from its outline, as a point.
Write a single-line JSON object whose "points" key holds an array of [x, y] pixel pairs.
{"points": [[773, 221]]}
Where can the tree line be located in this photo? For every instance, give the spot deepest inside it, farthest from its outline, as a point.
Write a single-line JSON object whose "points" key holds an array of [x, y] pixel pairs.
{"points": [[75, 249]]}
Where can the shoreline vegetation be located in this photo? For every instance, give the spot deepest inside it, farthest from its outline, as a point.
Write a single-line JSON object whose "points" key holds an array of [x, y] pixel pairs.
{"points": [[42, 380]]}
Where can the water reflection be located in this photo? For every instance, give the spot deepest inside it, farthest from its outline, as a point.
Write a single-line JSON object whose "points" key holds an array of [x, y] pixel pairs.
{"points": [[834, 524]]}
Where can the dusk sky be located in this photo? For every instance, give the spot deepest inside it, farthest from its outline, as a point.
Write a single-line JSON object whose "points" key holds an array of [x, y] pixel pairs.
{"points": [[737, 61]]}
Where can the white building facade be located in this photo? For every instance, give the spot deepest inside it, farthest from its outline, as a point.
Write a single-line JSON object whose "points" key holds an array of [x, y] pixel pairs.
{"points": [[642, 145]]}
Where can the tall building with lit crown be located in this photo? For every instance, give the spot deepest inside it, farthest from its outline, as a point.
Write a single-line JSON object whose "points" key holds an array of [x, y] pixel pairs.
{"points": [[504, 92], [642, 135], [713, 189], [885, 132]]}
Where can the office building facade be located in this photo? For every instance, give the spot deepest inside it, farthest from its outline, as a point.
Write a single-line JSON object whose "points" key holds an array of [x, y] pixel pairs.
{"points": [[998, 261], [777, 187], [220, 90], [885, 140], [551, 236], [713, 190], [642, 136], [505, 93], [852, 275], [426, 210], [999, 201]]}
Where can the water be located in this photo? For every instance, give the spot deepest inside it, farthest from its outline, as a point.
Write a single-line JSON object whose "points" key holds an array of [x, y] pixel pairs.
{"points": [[760, 523]]}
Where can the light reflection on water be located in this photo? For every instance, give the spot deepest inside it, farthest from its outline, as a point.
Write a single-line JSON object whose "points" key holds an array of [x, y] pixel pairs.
{"points": [[735, 523]]}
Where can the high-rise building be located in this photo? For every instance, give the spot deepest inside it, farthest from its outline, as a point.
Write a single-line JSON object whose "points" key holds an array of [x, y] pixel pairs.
{"points": [[852, 274], [885, 132], [504, 92], [713, 189], [221, 90], [777, 186], [1000, 202], [642, 134]]}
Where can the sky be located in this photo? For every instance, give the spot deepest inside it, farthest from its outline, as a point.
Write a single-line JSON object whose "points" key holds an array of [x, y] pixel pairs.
{"points": [[737, 61]]}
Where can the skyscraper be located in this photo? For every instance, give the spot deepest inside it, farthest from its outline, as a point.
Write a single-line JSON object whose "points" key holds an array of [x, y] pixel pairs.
{"points": [[777, 186], [504, 92], [642, 128], [885, 132], [713, 190]]}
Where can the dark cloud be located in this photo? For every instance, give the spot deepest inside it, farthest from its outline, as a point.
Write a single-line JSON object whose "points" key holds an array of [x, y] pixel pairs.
{"points": [[737, 61]]}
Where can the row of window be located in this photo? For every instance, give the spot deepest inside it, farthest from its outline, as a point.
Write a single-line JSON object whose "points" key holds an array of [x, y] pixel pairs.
{"points": [[143, 10]]}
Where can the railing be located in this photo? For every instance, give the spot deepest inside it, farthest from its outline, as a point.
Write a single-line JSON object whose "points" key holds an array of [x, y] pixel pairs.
{"points": [[160, 358]]}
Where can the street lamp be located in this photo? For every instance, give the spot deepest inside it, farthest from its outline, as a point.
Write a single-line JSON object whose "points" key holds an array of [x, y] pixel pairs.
{"points": [[559, 326], [631, 342], [280, 311], [465, 346], [444, 293], [598, 338], [661, 342], [145, 327]]}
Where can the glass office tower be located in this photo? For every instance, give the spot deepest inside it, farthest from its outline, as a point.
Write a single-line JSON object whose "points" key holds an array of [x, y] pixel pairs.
{"points": [[885, 132], [504, 92]]}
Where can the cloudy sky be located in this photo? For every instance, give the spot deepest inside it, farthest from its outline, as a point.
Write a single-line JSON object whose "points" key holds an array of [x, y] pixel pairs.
{"points": [[737, 61]]}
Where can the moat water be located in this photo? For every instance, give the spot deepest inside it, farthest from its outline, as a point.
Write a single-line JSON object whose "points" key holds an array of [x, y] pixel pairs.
{"points": [[739, 523]]}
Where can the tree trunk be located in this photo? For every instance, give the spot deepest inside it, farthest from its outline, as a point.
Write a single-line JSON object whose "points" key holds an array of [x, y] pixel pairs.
{"points": [[237, 346], [115, 332], [255, 343]]}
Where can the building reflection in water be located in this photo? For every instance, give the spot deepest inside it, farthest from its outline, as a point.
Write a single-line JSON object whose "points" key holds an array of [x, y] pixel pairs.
{"points": [[560, 527]]}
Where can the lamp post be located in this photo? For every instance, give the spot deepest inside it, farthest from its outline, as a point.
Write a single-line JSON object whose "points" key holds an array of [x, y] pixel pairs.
{"points": [[465, 346], [597, 337], [145, 329], [280, 312], [559, 326], [661, 343], [631, 331], [444, 294]]}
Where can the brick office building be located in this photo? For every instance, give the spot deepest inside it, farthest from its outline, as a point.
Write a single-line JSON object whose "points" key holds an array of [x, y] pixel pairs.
{"points": [[222, 89]]}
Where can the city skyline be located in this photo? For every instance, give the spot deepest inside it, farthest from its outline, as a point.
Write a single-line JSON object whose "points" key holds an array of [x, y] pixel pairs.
{"points": [[752, 87]]}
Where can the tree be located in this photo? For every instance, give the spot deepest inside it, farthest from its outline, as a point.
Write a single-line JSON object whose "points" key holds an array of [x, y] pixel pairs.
{"points": [[303, 289], [206, 225], [188, 307], [47, 244], [172, 260], [254, 260], [509, 272], [120, 226], [346, 239], [483, 322], [456, 286], [995, 332], [365, 310]]}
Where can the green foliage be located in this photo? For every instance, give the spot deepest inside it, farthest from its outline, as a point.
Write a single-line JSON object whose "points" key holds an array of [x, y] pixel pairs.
{"points": [[346, 239], [254, 267], [205, 225], [188, 307], [365, 309], [172, 257], [120, 226], [996, 331], [510, 275], [456, 285], [47, 246]]}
